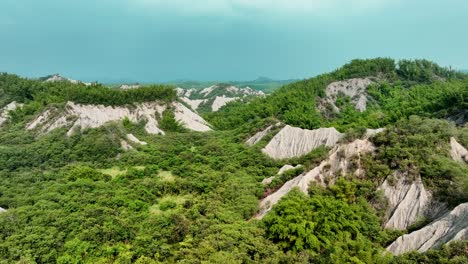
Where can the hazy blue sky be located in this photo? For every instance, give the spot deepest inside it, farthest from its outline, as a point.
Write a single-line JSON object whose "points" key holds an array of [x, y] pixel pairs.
{"points": [[160, 40]]}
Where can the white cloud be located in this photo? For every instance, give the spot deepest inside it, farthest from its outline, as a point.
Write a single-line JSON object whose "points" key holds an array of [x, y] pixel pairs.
{"points": [[238, 7]]}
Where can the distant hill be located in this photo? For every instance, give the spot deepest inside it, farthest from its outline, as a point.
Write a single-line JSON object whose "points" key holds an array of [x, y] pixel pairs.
{"points": [[264, 84], [58, 78], [212, 98]]}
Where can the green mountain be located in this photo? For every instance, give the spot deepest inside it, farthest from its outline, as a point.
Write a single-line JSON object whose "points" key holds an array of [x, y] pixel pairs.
{"points": [[366, 164]]}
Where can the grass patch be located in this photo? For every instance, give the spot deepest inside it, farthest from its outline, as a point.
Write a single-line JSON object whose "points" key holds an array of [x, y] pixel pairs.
{"points": [[168, 203], [113, 172], [166, 176]]}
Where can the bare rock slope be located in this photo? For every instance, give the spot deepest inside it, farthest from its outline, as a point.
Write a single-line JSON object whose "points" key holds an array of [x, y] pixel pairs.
{"points": [[78, 116], [338, 163], [451, 226], [4, 112], [457, 151], [294, 142], [408, 201], [354, 88], [283, 169], [261, 134], [58, 78], [215, 96]]}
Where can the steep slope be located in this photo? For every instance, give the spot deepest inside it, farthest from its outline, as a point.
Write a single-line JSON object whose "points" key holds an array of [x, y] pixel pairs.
{"points": [[338, 163], [408, 201], [294, 142], [457, 151], [282, 170], [261, 134], [451, 226]]}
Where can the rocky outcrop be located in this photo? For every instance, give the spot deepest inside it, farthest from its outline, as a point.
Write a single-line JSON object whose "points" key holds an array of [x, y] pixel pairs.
{"points": [[373, 132], [342, 160], [78, 116], [295, 142], [451, 226], [189, 119], [125, 145], [221, 101], [457, 151], [195, 103], [408, 201], [215, 96], [134, 139], [260, 135], [206, 91], [58, 78], [354, 88], [288, 167], [4, 112], [283, 169], [129, 86]]}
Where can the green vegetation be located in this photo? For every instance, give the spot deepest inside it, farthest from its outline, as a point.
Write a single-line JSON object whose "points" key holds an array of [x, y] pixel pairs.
{"points": [[419, 146], [330, 226], [453, 253], [190, 197], [439, 93], [14, 88]]}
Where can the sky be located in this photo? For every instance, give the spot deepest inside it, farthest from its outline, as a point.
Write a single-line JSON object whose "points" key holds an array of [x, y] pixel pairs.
{"points": [[164, 40]]}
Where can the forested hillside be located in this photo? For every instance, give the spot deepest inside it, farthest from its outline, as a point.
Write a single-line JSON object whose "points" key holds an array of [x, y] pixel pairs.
{"points": [[399, 90], [193, 197]]}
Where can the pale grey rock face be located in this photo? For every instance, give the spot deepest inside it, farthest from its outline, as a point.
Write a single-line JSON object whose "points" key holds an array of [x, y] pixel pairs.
{"points": [[295, 142], [58, 78], [129, 86], [338, 164], [451, 226], [221, 101], [4, 112], [189, 119], [268, 180], [457, 151], [223, 95], [125, 146], [80, 117], [193, 103], [354, 88], [408, 201], [134, 139], [372, 132], [288, 167], [282, 170], [260, 135]]}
